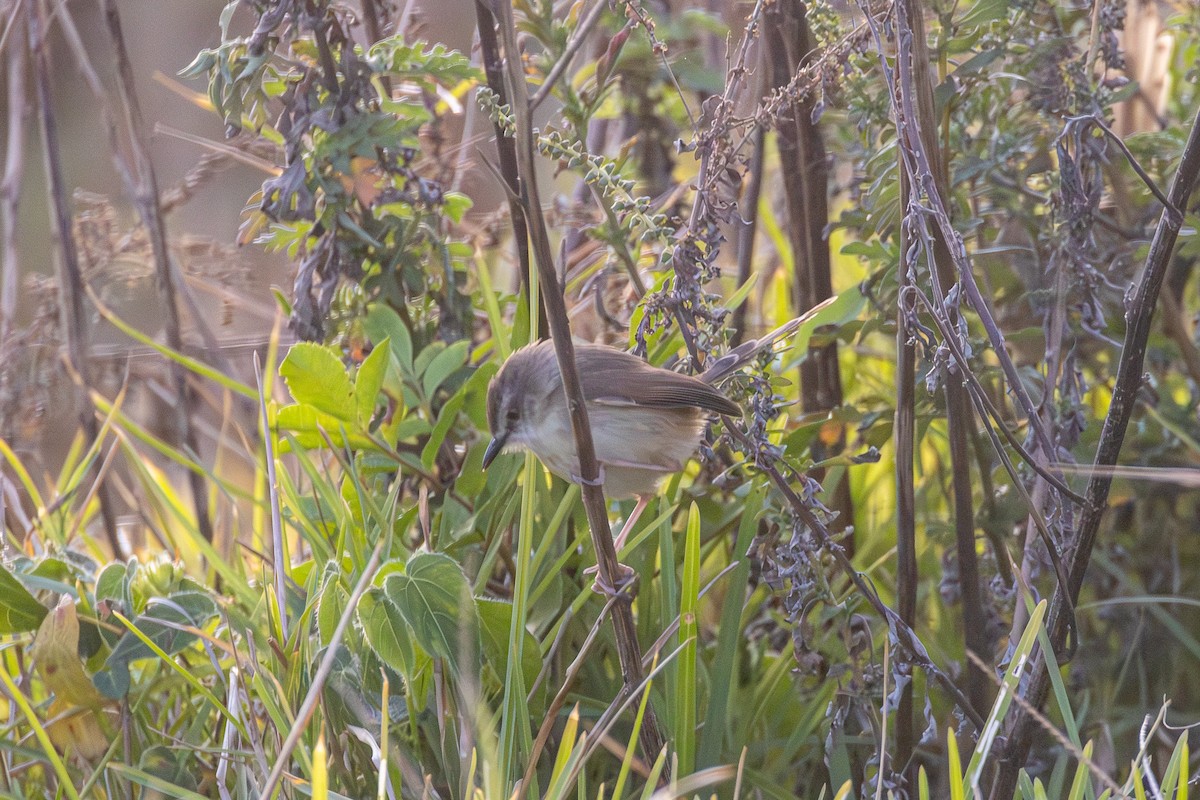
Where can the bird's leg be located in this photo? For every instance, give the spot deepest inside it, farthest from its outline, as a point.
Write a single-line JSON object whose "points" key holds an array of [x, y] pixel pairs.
{"points": [[624, 574], [627, 528], [599, 481]]}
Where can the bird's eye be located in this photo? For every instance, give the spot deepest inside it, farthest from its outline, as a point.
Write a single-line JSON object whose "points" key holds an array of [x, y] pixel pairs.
{"points": [[513, 415]]}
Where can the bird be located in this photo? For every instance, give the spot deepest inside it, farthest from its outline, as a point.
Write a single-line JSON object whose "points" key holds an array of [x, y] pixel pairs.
{"points": [[646, 421]]}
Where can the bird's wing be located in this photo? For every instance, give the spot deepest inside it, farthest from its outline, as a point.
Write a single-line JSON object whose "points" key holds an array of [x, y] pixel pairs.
{"points": [[614, 378], [667, 467]]}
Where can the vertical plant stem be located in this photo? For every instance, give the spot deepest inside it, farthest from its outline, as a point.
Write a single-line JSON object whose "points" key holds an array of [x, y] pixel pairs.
{"points": [[805, 175], [506, 148], [913, 78], [747, 230], [70, 277], [904, 437], [10, 184], [145, 188], [628, 649]]}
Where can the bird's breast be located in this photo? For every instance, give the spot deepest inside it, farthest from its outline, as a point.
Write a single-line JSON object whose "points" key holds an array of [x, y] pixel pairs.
{"points": [[637, 447]]}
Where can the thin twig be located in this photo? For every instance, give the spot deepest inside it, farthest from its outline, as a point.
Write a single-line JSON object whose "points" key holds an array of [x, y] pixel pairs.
{"points": [[506, 148], [904, 441], [920, 123], [713, 158], [121, 167], [1096, 120], [921, 167], [747, 228], [562, 62], [560, 699], [788, 45]]}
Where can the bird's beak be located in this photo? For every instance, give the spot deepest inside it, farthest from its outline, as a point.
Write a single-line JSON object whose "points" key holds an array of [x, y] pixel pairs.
{"points": [[493, 449]]}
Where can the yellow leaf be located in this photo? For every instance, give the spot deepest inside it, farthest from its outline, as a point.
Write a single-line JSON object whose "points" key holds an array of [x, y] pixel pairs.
{"points": [[55, 652], [77, 731]]}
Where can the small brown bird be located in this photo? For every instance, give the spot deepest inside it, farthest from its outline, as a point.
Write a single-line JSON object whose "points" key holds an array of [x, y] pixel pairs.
{"points": [[646, 421]]}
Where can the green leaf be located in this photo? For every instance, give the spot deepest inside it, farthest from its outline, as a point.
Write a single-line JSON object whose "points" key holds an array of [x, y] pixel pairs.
{"points": [[983, 12], [163, 623], [1081, 782], [1019, 663], [495, 617], [1176, 769], [446, 420], [382, 322], [315, 376], [386, 631], [434, 596], [421, 62], [369, 381], [427, 355], [330, 605], [444, 365], [980, 61], [309, 426], [689, 633], [19, 610], [455, 205], [956, 774]]}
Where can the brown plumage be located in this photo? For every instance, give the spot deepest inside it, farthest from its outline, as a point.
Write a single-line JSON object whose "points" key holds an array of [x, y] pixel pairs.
{"points": [[646, 421]]}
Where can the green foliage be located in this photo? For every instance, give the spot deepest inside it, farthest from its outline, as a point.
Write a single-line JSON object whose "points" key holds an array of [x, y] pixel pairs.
{"points": [[379, 615], [21, 610], [350, 203]]}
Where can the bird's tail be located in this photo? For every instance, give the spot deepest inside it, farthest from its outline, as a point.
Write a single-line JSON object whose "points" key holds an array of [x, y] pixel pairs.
{"points": [[724, 366]]}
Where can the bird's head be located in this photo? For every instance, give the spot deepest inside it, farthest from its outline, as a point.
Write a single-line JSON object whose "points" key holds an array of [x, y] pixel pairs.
{"points": [[512, 398]]}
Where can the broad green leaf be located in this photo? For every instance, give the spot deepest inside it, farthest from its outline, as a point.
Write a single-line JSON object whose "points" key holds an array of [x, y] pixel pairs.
{"points": [[455, 205], [983, 12], [427, 355], [444, 365], [495, 617], [309, 427], [330, 606], [19, 610], [316, 377], [980, 61], [382, 322], [369, 381], [844, 308], [434, 596], [55, 651], [386, 631], [446, 419], [476, 388], [162, 623]]}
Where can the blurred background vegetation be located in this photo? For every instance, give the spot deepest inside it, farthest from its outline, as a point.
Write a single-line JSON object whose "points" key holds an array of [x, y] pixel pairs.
{"points": [[260, 261]]}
